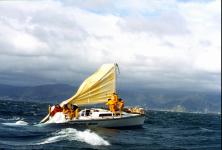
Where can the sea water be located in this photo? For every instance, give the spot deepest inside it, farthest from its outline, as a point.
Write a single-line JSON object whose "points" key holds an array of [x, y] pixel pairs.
{"points": [[19, 129]]}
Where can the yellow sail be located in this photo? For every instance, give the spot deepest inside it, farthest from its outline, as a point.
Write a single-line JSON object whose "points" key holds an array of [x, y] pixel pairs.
{"points": [[97, 88]]}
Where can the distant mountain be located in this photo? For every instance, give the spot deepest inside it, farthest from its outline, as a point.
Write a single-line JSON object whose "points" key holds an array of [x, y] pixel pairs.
{"points": [[43, 93], [205, 102]]}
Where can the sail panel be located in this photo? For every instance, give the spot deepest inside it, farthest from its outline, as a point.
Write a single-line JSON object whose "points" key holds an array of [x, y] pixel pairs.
{"points": [[97, 88]]}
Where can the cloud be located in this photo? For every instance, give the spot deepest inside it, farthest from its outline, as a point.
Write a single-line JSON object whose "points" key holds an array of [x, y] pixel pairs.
{"points": [[169, 44]]}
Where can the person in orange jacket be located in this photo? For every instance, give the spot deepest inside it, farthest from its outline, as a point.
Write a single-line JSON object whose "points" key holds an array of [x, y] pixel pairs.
{"points": [[114, 97], [120, 105], [67, 112], [112, 106], [75, 110]]}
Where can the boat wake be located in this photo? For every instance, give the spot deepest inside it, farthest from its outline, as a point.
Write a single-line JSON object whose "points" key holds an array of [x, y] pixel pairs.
{"points": [[71, 134]]}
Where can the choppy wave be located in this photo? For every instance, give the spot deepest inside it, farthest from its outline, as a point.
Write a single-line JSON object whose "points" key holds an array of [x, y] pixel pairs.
{"points": [[71, 134], [161, 130]]}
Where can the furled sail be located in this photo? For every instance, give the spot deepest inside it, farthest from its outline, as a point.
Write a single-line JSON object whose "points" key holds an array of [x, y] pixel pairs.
{"points": [[97, 88]]}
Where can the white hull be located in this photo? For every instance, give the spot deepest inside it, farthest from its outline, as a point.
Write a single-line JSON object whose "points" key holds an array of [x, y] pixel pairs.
{"points": [[102, 118], [115, 122]]}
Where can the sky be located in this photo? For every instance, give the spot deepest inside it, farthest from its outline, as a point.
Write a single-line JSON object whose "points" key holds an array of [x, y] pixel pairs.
{"points": [[173, 44]]}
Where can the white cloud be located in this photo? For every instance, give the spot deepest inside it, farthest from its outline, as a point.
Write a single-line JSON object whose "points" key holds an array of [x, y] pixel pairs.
{"points": [[27, 42], [153, 41], [208, 61]]}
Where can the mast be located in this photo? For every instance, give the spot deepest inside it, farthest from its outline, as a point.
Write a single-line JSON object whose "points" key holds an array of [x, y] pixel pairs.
{"points": [[115, 76]]}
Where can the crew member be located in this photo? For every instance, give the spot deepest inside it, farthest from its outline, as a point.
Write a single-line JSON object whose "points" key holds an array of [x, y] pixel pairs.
{"points": [[54, 109], [114, 98], [67, 111], [75, 111], [112, 106], [120, 105]]}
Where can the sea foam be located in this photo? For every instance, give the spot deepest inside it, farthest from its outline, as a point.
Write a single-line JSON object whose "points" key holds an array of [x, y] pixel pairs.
{"points": [[71, 134], [59, 117]]}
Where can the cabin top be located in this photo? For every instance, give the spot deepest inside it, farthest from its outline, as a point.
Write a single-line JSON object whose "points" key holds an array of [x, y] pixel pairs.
{"points": [[96, 113]]}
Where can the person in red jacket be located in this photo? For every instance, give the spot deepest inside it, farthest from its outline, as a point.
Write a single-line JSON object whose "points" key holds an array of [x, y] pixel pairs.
{"points": [[54, 109]]}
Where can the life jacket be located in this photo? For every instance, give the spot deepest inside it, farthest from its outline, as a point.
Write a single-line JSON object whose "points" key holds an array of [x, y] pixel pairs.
{"points": [[66, 111], [111, 102], [112, 105], [77, 113]]}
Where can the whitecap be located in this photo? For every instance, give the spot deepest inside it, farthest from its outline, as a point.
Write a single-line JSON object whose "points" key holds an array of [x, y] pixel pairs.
{"points": [[52, 139], [21, 122], [17, 123], [13, 118], [91, 138], [70, 134]]}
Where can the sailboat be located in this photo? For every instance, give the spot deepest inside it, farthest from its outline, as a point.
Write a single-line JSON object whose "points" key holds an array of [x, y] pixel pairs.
{"points": [[97, 89]]}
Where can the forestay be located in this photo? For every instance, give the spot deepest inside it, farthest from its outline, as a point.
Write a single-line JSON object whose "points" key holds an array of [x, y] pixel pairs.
{"points": [[97, 88]]}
